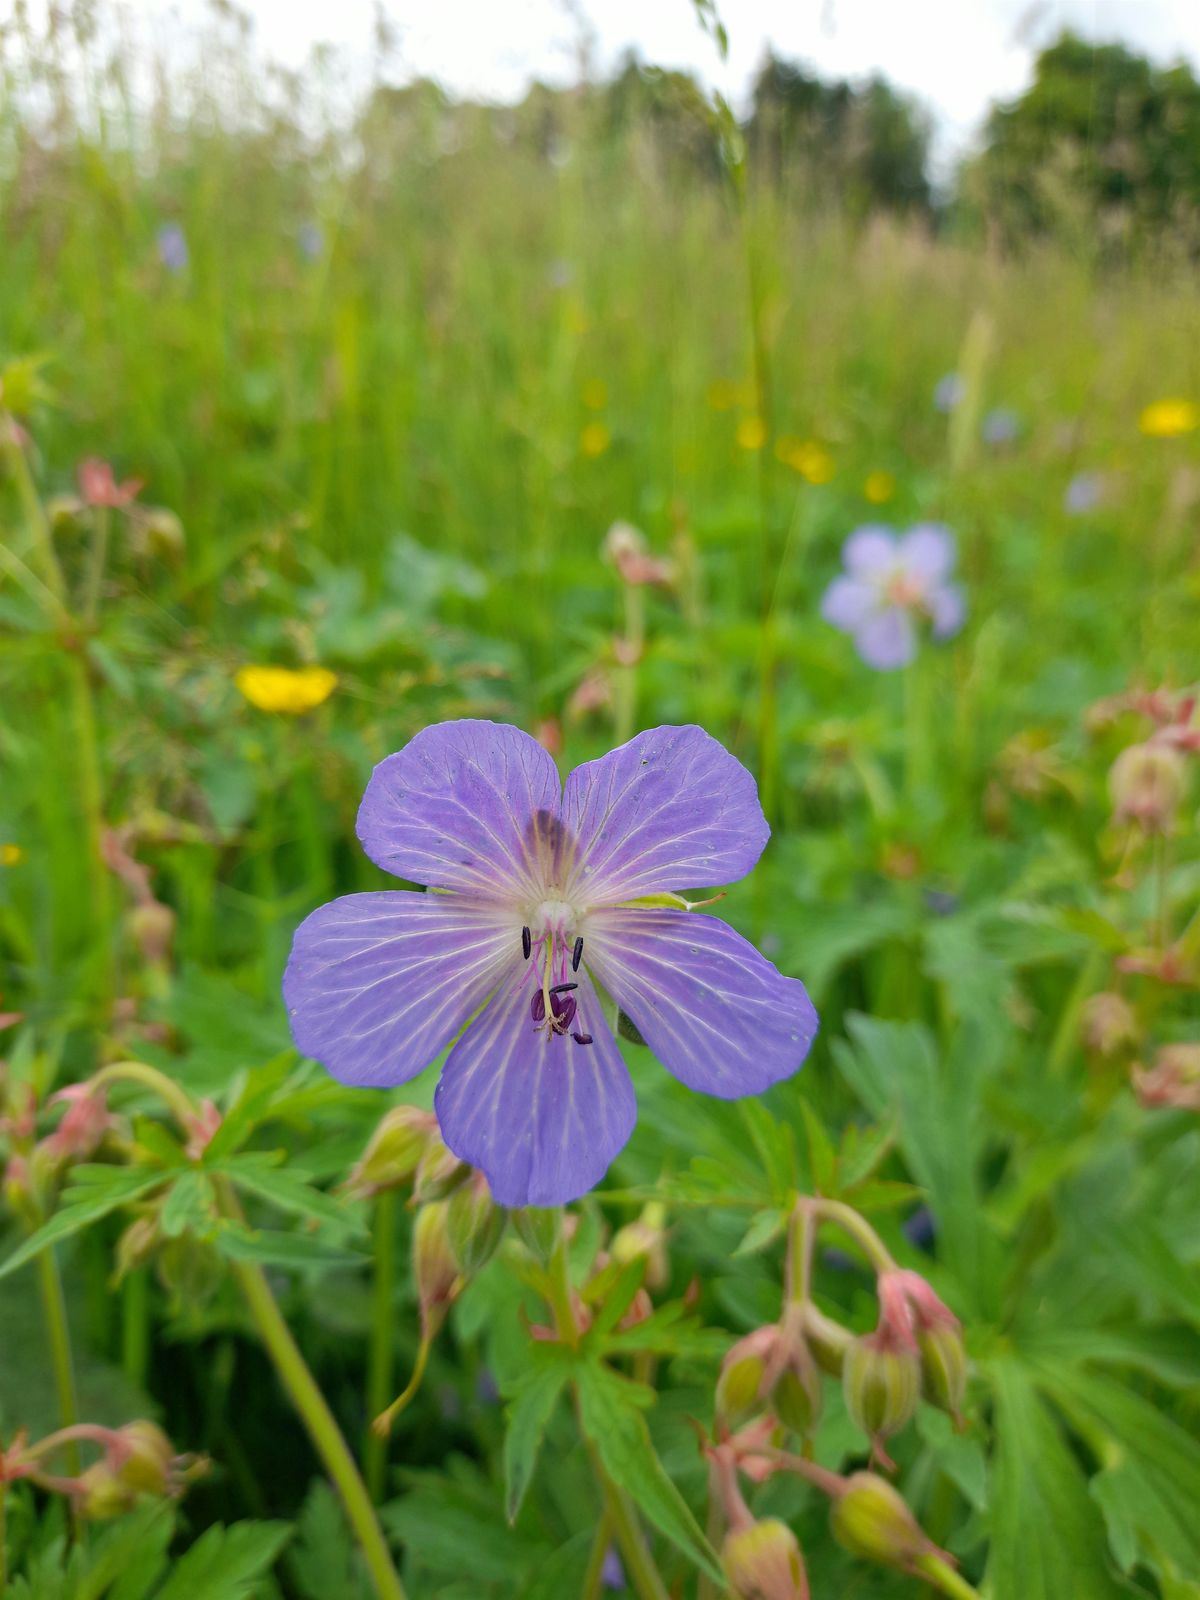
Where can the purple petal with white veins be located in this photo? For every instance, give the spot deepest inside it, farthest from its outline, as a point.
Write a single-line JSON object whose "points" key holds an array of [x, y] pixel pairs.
{"points": [[670, 810], [540, 1114], [887, 639], [456, 809], [869, 550], [716, 1013], [378, 984], [848, 602], [927, 551], [948, 607]]}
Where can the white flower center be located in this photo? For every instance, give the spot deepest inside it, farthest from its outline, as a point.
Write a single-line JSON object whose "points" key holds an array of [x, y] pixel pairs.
{"points": [[558, 918]]}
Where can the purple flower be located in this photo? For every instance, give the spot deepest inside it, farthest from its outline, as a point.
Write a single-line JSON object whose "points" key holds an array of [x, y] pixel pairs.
{"points": [[172, 247], [890, 583], [1000, 426], [310, 240], [1084, 493], [612, 1573], [540, 893], [949, 392]]}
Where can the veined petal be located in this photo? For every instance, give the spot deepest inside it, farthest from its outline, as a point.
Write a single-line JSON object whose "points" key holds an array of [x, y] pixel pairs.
{"points": [[716, 1013], [887, 639], [869, 550], [672, 809], [541, 1115], [377, 984], [848, 602], [460, 808]]}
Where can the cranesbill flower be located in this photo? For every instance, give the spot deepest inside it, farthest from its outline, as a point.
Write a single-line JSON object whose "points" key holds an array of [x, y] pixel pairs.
{"points": [[538, 895], [949, 392], [891, 583], [1000, 427], [172, 247]]}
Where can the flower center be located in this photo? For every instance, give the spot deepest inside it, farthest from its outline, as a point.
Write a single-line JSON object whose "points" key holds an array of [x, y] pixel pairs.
{"points": [[555, 951], [902, 589]]}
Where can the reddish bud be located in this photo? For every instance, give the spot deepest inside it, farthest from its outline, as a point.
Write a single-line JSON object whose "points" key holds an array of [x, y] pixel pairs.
{"points": [[434, 1266], [1147, 783], [762, 1561], [1108, 1025]]}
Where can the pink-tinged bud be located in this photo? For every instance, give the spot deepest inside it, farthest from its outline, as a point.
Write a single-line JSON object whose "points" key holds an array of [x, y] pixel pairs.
{"points": [[475, 1224], [201, 1129], [740, 1386], [645, 1239], [434, 1266], [796, 1397], [881, 1383], [394, 1151], [537, 1229], [100, 1494], [439, 1171], [593, 693], [136, 1246], [99, 487], [1173, 1081], [944, 1368], [1147, 784], [84, 1123], [1108, 1025], [151, 927], [762, 1561], [145, 1460], [871, 1520]]}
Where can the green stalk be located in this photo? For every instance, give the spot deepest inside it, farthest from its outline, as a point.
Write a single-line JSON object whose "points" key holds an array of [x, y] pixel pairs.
{"points": [[944, 1578], [916, 728], [58, 1332], [859, 1229], [381, 1352], [3, 1538], [135, 1325], [313, 1410], [97, 562], [593, 1578]]}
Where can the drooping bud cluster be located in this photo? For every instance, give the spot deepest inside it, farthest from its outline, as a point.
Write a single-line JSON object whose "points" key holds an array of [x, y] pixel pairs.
{"points": [[770, 1370], [1147, 784], [136, 1462]]}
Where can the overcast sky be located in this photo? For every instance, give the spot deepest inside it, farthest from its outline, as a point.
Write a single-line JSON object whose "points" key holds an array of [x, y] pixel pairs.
{"points": [[958, 55]]}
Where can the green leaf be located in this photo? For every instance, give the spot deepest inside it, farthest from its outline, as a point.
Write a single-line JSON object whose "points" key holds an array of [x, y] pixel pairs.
{"points": [[528, 1413], [189, 1207], [225, 1563], [93, 1193], [289, 1189], [763, 1231], [271, 1248], [321, 1561], [1047, 1534], [612, 1420]]}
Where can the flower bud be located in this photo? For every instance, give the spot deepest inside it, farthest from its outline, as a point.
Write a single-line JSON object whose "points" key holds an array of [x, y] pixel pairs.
{"points": [[439, 1171], [881, 1381], [871, 1520], [475, 1224], [1108, 1024], [147, 1459], [537, 1229], [796, 1397], [1147, 783], [944, 1368], [163, 533], [1173, 1081], [136, 1246], [646, 1238], [740, 1384], [100, 1494], [762, 1561], [151, 927], [434, 1266], [394, 1150]]}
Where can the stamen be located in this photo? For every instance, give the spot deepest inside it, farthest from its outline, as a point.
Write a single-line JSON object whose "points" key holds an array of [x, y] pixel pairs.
{"points": [[582, 1038], [562, 988], [526, 943], [537, 1006], [563, 1008], [577, 954]]}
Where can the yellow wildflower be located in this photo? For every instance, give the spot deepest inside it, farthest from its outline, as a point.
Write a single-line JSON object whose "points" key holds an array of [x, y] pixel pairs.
{"points": [[595, 394], [286, 690], [808, 457], [594, 439], [751, 433], [879, 487], [1168, 419], [11, 855]]}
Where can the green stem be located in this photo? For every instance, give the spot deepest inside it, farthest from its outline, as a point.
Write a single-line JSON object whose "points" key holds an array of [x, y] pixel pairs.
{"points": [[916, 728], [169, 1092], [859, 1229], [593, 1578], [39, 525], [91, 790], [96, 565], [644, 1577], [58, 1332], [381, 1352], [714, 1528], [802, 1232], [135, 1325], [314, 1412], [944, 1578], [1066, 1035], [3, 1539]]}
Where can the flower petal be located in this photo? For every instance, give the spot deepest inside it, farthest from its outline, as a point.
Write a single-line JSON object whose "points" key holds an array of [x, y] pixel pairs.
{"points": [[869, 550], [456, 807], [848, 602], [948, 607], [716, 1013], [927, 551], [541, 1115], [670, 810], [377, 984], [887, 639]]}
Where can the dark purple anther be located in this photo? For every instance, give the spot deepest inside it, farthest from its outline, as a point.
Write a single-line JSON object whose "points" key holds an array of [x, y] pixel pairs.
{"points": [[537, 1006], [526, 943], [577, 954], [563, 988], [582, 1038]]}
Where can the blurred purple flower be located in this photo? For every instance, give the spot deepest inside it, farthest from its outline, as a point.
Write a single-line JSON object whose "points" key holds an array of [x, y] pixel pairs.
{"points": [[612, 1573], [1084, 493], [560, 274], [172, 247], [310, 240], [539, 892], [1000, 426], [890, 583], [920, 1229], [949, 392]]}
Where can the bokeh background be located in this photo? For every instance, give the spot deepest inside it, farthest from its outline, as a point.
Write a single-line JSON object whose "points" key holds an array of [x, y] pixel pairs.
{"points": [[318, 368]]}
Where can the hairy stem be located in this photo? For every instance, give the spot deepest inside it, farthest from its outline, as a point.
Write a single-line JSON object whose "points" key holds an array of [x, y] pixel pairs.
{"points": [[58, 1334]]}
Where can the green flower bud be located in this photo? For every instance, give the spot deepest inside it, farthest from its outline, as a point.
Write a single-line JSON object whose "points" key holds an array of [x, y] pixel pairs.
{"points": [[393, 1151], [943, 1367], [100, 1494], [871, 1520], [881, 1383], [537, 1229], [762, 1561], [439, 1172], [475, 1224], [796, 1398], [163, 533], [434, 1266], [148, 1464], [740, 1395]]}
